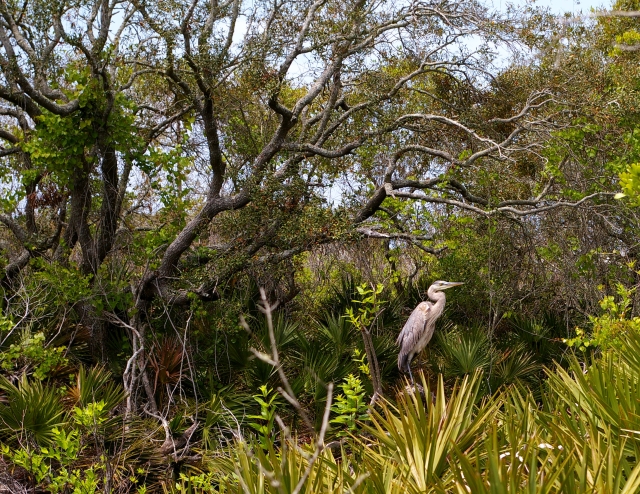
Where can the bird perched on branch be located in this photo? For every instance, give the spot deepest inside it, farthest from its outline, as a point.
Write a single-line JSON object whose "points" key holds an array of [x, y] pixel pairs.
{"points": [[418, 330]]}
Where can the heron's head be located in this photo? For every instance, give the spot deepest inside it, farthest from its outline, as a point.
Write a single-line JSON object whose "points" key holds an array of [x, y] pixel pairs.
{"points": [[438, 286]]}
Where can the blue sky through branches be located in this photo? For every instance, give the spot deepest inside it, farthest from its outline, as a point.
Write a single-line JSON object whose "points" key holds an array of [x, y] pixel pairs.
{"points": [[560, 6]]}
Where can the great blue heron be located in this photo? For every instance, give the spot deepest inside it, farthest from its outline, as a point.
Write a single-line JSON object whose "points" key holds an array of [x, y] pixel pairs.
{"points": [[418, 330]]}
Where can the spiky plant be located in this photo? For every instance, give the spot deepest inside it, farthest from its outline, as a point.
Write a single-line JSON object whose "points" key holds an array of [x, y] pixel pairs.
{"points": [[166, 362], [94, 384], [336, 331], [285, 331], [319, 365], [463, 351], [514, 366], [418, 435], [221, 415], [30, 411], [540, 336]]}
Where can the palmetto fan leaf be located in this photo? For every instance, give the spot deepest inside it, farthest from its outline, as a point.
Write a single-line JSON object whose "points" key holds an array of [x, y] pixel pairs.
{"points": [[137, 455], [542, 336], [512, 367], [321, 365], [386, 351], [95, 384], [464, 351], [259, 372], [530, 330], [221, 414], [285, 332], [31, 411], [337, 332], [509, 469], [286, 335], [599, 400], [344, 295]]}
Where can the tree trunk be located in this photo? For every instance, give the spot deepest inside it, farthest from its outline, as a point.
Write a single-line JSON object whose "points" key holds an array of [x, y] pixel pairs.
{"points": [[374, 366]]}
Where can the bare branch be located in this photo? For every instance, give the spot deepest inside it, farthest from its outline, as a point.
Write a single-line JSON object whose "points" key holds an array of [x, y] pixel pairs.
{"points": [[325, 153], [504, 209], [617, 13], [15, 228], [266, 309]]}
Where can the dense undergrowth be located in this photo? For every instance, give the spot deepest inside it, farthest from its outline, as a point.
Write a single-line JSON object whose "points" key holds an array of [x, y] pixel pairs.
{"points": [[215, 218], [509, 410]]}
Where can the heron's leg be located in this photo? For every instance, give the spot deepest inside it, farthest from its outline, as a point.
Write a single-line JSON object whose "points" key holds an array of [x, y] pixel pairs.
{"points": [[411, 375]]}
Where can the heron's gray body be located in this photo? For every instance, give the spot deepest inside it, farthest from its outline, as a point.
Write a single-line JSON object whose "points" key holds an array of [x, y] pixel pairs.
{"points": [[419, 328]]}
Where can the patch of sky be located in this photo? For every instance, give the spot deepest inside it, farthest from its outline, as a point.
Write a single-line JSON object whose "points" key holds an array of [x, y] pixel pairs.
{"points": [[499, 57], [560, 7]]}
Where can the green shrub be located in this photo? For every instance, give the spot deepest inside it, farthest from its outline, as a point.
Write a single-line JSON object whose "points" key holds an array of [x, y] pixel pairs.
{"points": [[612, 328], [350, 406], [33, 411]]}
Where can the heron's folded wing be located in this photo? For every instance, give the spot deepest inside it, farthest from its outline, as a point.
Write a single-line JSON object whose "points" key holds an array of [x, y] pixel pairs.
{"points": [[414, 326]]}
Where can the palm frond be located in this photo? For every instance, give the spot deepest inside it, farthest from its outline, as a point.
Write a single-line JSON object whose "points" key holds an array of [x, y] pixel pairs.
{"points": [[95, 384], [31, 410], [337, 332], [418, 435], [514, 366], [464, 351]]}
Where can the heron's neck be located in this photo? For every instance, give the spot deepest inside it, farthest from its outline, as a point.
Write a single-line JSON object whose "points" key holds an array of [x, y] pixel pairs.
{"points": [[438, 297]]}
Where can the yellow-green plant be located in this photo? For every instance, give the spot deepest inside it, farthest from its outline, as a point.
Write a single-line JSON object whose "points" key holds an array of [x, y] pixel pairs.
{"points": [[612, 328], [350, 406], [34, 351], [264, 422], [369, 307], [419, 434]]}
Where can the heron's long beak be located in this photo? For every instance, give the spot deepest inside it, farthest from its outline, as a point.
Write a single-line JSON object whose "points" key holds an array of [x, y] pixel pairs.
{"points": [[451, 284]]}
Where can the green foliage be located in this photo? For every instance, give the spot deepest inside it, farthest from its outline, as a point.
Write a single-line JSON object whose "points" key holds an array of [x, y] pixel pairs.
{"points": [[66, 283], [33, 411], [6, 324], [336, 332], [194, 484], [64, 145], [575, 440], [219, 412], [612, 328], [539, 336], [464, 351], [360, 359], [91, 416], [33, 351], [95, 384], [168, 171], [369, 306], [419, 435], [350, 406], [264, 425], [50, 466], [514, 366], [630, 183], [500, 422]]}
